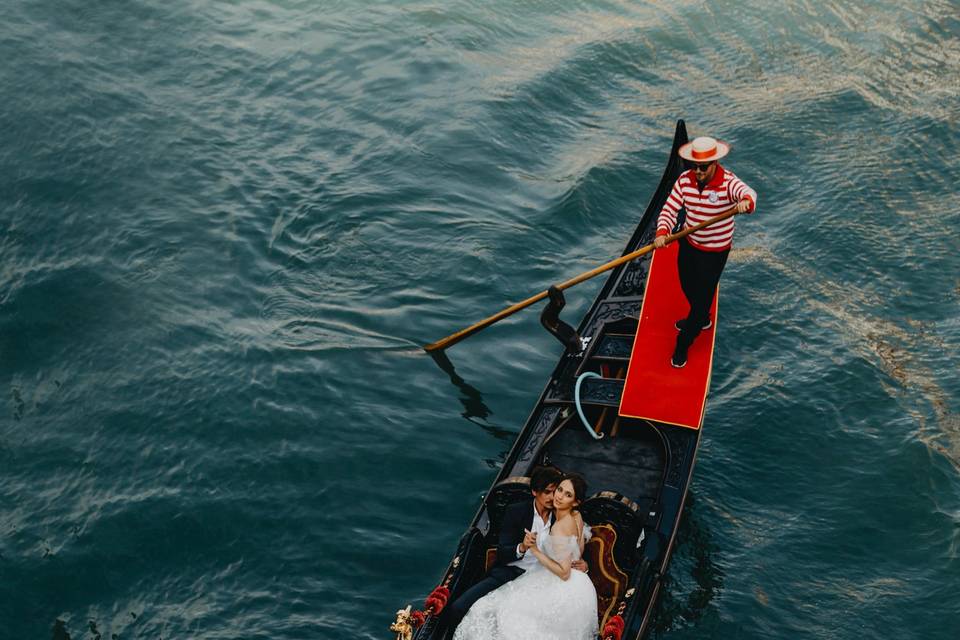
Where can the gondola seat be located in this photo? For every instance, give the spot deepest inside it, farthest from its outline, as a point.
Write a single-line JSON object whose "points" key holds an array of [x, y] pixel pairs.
{"points": [[608, 579], [505, 493], [615, 523]]}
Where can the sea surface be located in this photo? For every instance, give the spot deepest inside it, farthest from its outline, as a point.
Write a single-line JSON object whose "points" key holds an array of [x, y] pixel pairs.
{"points": [[227, 228]]}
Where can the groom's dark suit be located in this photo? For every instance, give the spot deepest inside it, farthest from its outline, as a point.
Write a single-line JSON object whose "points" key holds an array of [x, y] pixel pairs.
{"points": [[516, 518]]}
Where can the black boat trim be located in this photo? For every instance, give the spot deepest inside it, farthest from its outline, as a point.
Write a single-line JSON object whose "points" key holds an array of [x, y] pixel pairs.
{"points": [[550, 319]]}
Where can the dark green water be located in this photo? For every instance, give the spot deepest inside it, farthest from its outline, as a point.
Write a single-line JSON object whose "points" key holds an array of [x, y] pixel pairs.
{"points": [[225, 228]]}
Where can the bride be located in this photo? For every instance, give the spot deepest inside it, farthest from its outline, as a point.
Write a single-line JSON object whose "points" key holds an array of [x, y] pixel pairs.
{"points": [[551, 601]]}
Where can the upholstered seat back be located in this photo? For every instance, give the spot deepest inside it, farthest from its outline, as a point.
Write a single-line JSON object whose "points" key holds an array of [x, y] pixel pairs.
{"points": [[609, 581], [616, 523], [505, 493]]}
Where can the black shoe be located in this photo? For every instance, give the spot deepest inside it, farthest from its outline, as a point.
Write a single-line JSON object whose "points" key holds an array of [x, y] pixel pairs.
{"points": [[679, 324], [679, 358]]}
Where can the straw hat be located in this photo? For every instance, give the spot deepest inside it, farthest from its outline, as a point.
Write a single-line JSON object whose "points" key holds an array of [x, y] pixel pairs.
{"points": [[704, 149]]}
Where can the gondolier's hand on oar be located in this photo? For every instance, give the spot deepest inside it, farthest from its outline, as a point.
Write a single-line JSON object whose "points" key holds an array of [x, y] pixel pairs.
{"points": [[743, 206]]}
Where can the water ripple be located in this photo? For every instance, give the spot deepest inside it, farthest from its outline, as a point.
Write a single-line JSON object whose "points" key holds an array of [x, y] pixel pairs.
{"points": [[228, 227]]}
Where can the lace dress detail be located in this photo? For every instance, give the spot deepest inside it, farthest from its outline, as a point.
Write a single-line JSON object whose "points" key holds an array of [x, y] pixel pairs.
{"points": [[538, 605]]}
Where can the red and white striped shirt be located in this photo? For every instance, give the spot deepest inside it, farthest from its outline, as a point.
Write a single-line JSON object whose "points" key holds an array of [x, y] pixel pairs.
{"points": [[723, 190]]}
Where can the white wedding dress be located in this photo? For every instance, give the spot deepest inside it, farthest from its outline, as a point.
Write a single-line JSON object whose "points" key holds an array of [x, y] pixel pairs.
{"points": [[538, 605]]}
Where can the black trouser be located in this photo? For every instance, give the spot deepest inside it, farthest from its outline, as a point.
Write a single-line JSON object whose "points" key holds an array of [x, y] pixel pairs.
{"points": [[497, 577], [699, 275]]}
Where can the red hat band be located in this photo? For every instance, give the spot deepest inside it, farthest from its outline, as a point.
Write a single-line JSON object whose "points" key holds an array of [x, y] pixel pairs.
{"points": [[700, 155]]}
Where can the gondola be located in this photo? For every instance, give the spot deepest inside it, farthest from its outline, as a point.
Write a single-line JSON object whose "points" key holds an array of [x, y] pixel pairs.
{"points": [[639, 472]]}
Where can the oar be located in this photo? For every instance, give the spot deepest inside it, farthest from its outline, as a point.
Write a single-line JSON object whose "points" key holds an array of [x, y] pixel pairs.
{"points": [[509, 311]]}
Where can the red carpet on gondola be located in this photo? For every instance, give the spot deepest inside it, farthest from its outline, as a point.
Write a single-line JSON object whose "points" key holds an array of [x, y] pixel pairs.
{"points": [[654, 389]]}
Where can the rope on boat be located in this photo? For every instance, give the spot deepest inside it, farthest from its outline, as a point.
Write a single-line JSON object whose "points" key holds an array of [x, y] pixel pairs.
{"points": [[576, 400]]}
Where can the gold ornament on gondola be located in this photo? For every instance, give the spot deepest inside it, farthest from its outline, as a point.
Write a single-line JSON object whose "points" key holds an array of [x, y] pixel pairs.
{"points": [[403, 627], [408, 620]]}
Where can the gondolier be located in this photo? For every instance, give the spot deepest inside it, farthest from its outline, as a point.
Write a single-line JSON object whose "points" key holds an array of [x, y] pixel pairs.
{"points": [[706, 190]]}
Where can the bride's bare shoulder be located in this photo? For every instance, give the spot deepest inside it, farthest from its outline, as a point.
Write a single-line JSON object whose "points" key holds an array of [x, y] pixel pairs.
{"points": [[565, 526]]}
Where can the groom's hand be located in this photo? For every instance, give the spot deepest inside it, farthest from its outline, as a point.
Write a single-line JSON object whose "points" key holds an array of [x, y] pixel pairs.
{"points": [[579, 565], [529, 540]]}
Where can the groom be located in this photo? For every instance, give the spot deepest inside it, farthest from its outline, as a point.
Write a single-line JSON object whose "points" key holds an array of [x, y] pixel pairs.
{"points": [[525, 523]]}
